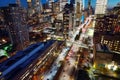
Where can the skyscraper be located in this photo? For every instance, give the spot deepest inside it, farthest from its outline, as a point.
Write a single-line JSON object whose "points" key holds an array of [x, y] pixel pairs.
{"points": [[30, 8], [50, 3], [90, 9], [55, 7], [78, 5], [107, 29], [18, 2], [37, 6], [62, 4], [78, 11], [101, 6], [29, 3], [15, 20]]}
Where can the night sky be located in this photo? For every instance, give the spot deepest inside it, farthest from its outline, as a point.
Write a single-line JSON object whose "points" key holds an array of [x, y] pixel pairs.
{"points": [[111, 3]]}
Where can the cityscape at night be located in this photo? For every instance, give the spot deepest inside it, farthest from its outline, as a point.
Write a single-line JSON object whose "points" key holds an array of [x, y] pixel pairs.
{"points": [[59, 39]]}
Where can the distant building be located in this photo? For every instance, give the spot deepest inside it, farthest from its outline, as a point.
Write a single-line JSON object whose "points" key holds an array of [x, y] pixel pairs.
{"points": [[30, 8], [50, 3], [101, 6], [78, 6], [3, 31], [62, 4], [56, 7], [37, 6], [2, 25], [106, 24], [15, 20], [45, 6], [90, 9], [67, 23]]}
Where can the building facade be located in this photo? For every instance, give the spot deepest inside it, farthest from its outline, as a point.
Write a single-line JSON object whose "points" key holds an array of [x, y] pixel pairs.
{"points": [[50, 3], [101, 6], [62, 4], [67, 24], [30, 8], [37, 6], [107, 30], [78, 6], [15, 20]]}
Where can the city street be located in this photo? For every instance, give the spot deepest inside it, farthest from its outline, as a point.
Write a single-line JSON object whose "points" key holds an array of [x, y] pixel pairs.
{"points": [[70, 64], [56, 65]]}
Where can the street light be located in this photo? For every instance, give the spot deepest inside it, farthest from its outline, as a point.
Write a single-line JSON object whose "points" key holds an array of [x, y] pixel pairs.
{"points": [[112, 66]]}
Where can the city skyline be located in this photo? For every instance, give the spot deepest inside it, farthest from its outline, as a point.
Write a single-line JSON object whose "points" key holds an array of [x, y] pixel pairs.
{"points": [[59, 39], [111, 3]]}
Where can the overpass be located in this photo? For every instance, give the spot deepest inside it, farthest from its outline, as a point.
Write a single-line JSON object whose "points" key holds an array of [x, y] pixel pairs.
{"points": [[15, 64]]}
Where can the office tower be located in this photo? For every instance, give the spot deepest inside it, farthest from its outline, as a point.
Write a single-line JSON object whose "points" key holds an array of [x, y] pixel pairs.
{"points": [[4, 38], [37, 10], [50, 3], [101, 6], [15, 20], [37, 6], [67, 24], [62, 4], [56, 7], [107, 41], [107, 29], [18, 2], [90, 9], [106, 24], [78, 11], [1, 21], [78, 6], [29, 3], [30, 8]]}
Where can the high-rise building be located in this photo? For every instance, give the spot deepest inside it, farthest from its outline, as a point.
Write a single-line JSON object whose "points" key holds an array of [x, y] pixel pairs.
{"points": [[67, 24], [3, 31], [101, 6], [107, 29], [29, 3], [1, 21], [18, 2], [50, 3], [30, 8], [90, 9], [106, 24], [55, 7], [15, 20], [62, 4], [78, 6], [37, 6]]}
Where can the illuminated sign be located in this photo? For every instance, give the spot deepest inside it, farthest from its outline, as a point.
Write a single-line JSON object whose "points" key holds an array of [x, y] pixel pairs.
{"points": [[3, 53]]}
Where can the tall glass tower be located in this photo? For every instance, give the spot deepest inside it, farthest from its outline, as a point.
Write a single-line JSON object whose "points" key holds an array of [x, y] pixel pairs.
{"points": [[15, 19], [101, 6]]}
